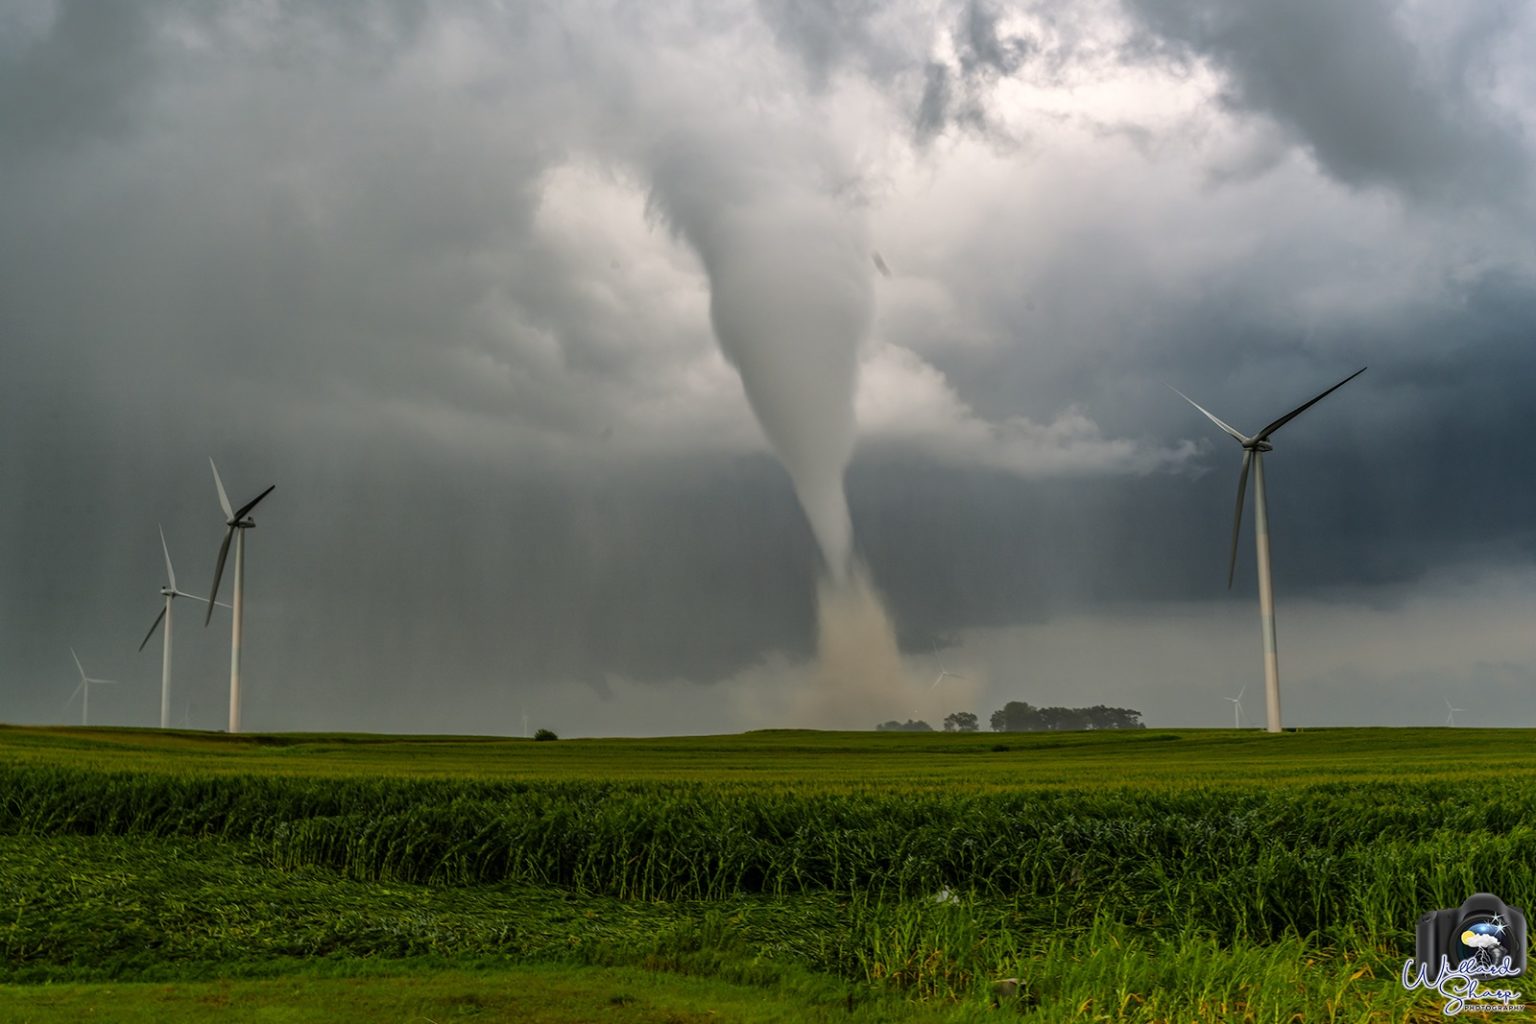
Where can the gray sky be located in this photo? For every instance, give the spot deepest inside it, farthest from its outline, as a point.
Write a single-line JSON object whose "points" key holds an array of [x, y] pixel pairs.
{"points": [[457, 280]]}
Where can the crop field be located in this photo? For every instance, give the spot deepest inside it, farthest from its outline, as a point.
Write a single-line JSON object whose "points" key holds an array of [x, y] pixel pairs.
{"points": [[795, 876]]}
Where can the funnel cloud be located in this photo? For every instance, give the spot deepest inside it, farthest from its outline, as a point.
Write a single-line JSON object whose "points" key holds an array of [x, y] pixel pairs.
{"points": [[790, 303]]}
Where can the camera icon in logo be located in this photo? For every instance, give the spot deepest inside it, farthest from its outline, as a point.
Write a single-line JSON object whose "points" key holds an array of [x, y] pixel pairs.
{"points": [[1480, 933]]}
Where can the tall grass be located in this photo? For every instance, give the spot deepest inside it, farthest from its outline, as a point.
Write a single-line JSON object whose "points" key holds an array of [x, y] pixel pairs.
{"points": [[1339, 863]]}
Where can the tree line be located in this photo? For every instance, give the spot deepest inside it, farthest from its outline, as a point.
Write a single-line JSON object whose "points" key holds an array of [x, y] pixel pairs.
{"points": [[1021, 716]]}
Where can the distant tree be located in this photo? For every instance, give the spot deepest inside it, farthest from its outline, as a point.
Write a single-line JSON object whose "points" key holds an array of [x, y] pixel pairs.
{"points": [[1063, 719], [960, 721], [545, 734], [1017, 716], [908, 726], [1114, 718]]}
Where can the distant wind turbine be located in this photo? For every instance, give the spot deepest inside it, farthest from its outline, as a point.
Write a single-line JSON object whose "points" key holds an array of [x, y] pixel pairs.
{"points": [[1450, 712], [1237, 708], [944, 673], [171, 593], [1253, 456], [235, 525], [84, 689]]}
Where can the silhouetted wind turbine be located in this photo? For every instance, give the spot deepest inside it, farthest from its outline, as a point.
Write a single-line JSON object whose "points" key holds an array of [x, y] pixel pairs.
{"points": [[1253, 456], [84, 689], [1237, 708], [235, 525], [170, 593], [1450, 712]]}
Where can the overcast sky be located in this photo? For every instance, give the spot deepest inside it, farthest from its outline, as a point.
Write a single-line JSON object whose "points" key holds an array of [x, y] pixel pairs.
{"points": [[473, 285]]}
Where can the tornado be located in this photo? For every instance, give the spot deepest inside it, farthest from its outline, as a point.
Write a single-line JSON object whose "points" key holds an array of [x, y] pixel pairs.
{"points": [[790, 305]]}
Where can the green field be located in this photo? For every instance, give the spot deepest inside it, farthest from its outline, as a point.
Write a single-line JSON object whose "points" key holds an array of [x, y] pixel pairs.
{"points": [[794, 876]]}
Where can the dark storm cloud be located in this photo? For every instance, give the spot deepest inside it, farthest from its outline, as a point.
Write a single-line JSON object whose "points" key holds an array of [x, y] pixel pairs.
{"points": [[76, 77], [399, 264], [1347, 81]]}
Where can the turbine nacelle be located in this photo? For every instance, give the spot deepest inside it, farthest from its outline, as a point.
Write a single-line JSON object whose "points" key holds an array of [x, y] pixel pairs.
{"points": [[1255, 445]]}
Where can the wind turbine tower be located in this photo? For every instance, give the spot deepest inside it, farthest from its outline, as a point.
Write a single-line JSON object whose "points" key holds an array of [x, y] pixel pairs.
{"points": [[1253, 457], [171, 593], [235, 525]]}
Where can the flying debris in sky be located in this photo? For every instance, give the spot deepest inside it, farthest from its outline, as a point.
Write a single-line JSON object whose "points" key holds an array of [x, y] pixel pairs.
{"points": [[880, 265]]}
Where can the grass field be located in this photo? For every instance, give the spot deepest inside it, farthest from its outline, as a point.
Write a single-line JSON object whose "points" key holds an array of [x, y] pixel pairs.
{"points": [[1146, 876]]}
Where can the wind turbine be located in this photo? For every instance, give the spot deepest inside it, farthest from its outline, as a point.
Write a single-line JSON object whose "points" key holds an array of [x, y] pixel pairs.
{"points": [[171, 593], [944, 673], [1450, 712], [1237, 708], [1253, 456], [84, 689], [235, 525]]}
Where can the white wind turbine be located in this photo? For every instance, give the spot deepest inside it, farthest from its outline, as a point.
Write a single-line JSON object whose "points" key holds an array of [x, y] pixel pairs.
{"points": [[1253, 456], [1237, 708], [171, 593], [944, 673], [235, 525], [84, 689], [1450, 712]]}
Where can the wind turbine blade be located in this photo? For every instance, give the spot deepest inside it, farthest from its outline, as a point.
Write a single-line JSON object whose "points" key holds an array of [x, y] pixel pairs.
{"points": [[78, 687], [170, 573], [81, 667], [1241, 692], [1283, 420], [153, 626], [218, 571], [246, 508], [223, 498], [1233, 431], [109, 682], [204, 600], [1237, 516]]}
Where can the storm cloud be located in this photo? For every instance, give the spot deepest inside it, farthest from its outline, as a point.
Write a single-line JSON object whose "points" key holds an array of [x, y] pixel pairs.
{"points": [[447, 277]]}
